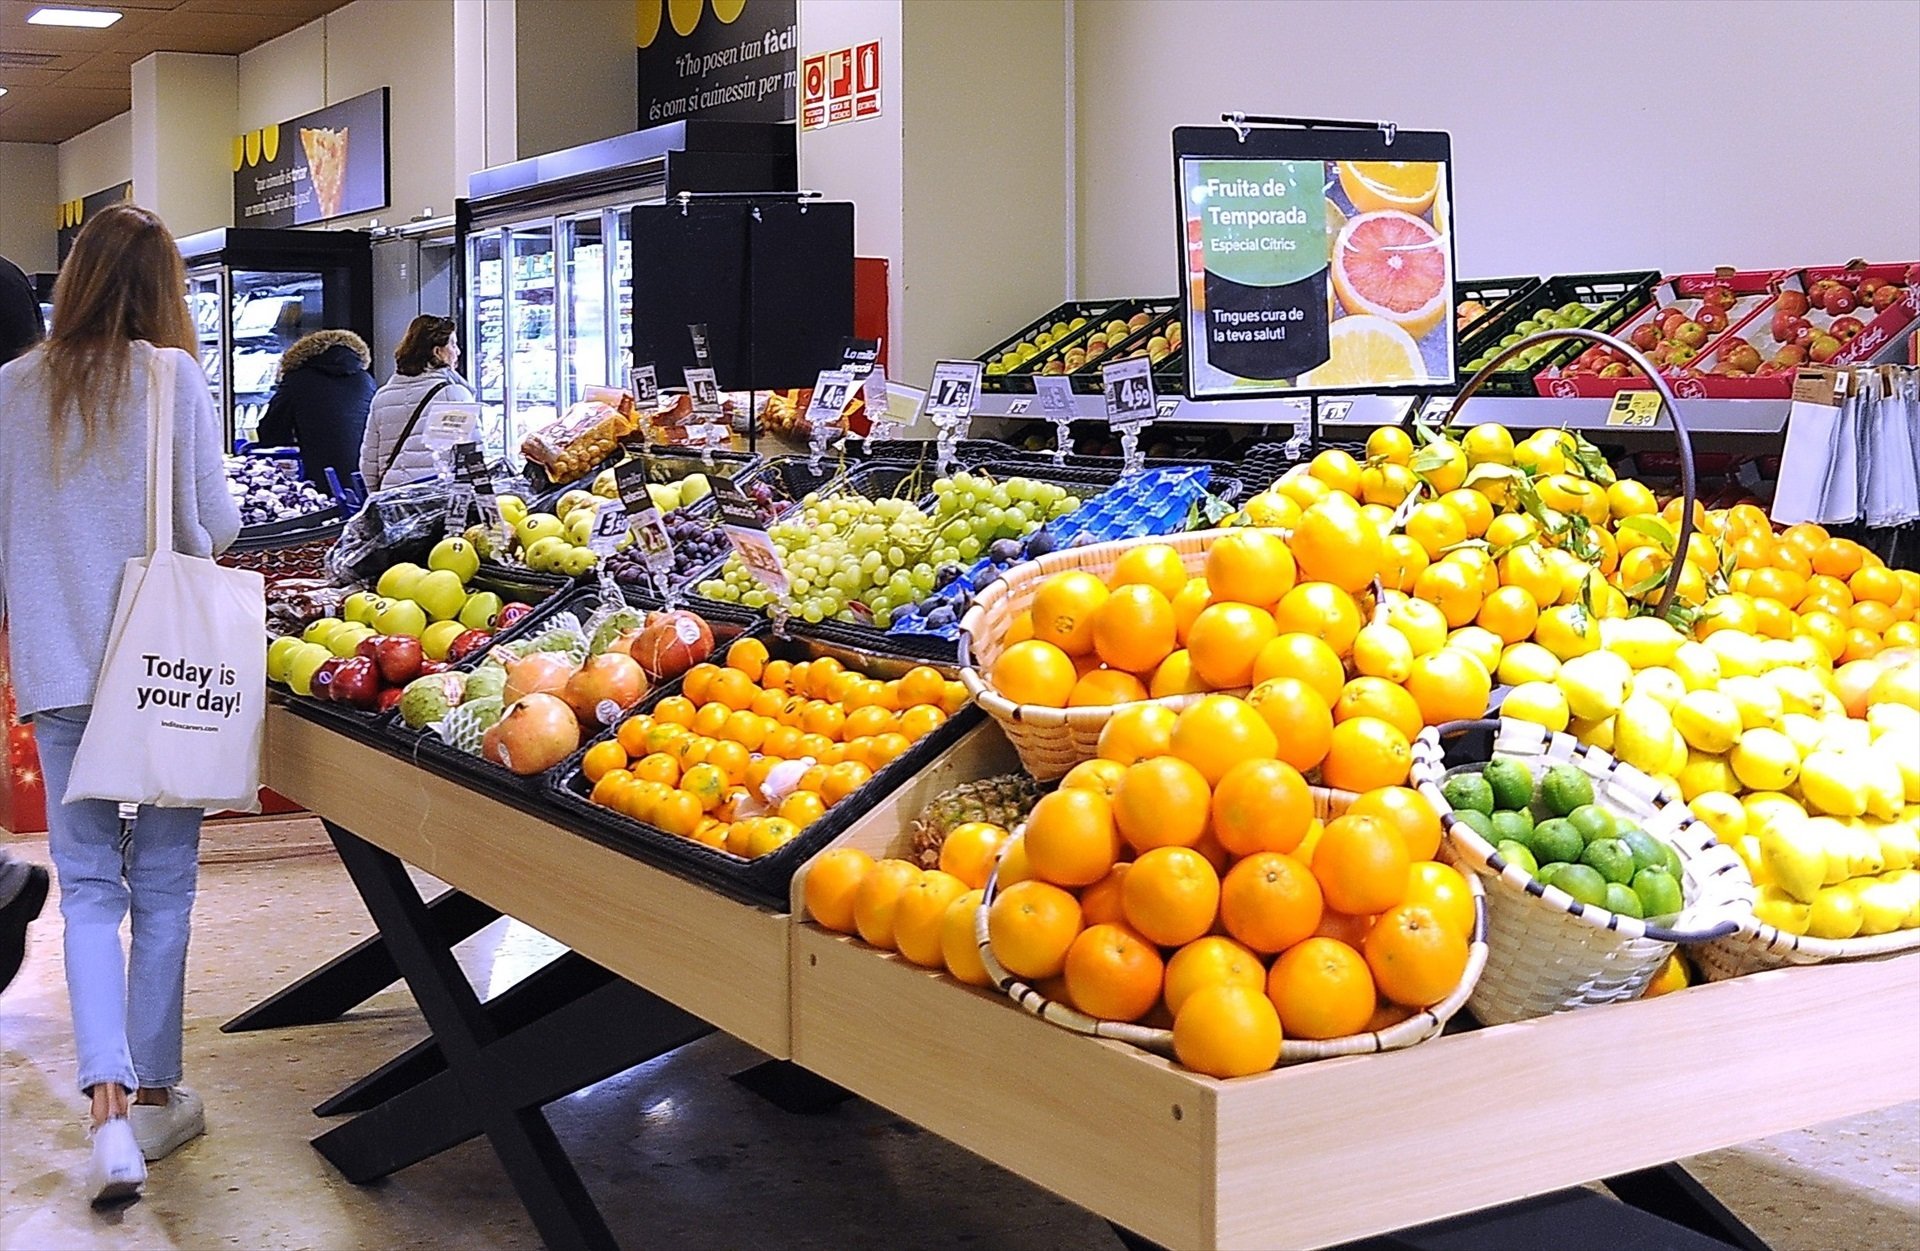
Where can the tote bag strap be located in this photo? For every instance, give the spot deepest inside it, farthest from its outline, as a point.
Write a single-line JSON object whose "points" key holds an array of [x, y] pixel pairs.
{"points": [[161, 369]]}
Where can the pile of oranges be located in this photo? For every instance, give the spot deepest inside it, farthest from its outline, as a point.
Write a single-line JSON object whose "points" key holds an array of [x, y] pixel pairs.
{"points": [[701, 763], [1182, 879]]}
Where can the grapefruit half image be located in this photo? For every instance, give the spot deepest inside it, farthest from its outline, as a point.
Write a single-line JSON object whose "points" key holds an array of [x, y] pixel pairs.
{"points": [[1392, 265]]}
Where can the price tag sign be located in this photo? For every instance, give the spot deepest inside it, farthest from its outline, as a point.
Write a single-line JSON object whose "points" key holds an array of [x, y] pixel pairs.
{"points": [[747, 533], [697, 332], [446, 423], [1332, 412], [859, 357], [1055, 397], [831, 391], [704, 389], [1634, 408], [881, 423], [644, 382], [1436, 408], [649, 531], [1129, 393], [1018, 407], [956, 388], [609, 528], [630, 479], [460, 502]]}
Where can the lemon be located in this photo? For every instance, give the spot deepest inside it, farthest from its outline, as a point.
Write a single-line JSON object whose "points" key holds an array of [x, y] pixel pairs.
{"points": [[1749, 849], [1838, 844], [1899, 844], [1739, 653], [1542, 703], [1593, 733], [1380, 651], [1802, 692], [1758, 701], [1764, 760], [1883, 906], [1677, 755], [1658, 683], [1527, 662], [1782, 911], [1769, 809], [1705, 774], [1642, 641], [1482, 644], [1697, 664], [1804, 731], [1795, 858], [1904, 748], [1886, 785], [1708, 721], [1643, 734], [1595, 685], [1885, 719], [1844, 734], [1861, 848], [1834, 913], [1720, 812], [1567, 630], [1424, 624]]}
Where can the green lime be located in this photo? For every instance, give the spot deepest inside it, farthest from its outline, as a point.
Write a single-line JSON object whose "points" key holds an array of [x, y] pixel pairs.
{"points": [[1511, 782], [1622, 900], [1512, 826], [1547, 872], [1659, 893], [1565, 788], [1672, 858], [1517, 854], [1584, 883], [1648, 851], [1555, 840], [1593, 822], [1612, 857], [1479, 822], [1468, 792]]}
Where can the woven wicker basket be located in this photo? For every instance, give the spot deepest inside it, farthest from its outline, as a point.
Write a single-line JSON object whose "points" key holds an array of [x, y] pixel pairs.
{"points": [[1547, 952], [1422, 1025], [1053, 740], [1756, 946]]}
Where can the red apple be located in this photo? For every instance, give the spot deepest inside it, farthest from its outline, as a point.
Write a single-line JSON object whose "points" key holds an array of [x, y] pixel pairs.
{"points": [[1868, 286], [511, 613], [1784, 325], [1741, 356], [1823, 348], [1645, 336], [1845, 328], [1662, 354], [1886, 297], [431, 665], [1793, 355], [1671, 321], [1680, 353], [1721, 298], [1712, 317], [465, 645], [1617, 369], [323, 678], [1594, 357], [1791, 303], [1691, 333], [1840, 300], [389, 698], [368, 646], [398, 658], [357, 683]]}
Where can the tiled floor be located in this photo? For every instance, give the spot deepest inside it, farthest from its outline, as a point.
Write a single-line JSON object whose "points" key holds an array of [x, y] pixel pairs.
{"points": [[676, 1154]]}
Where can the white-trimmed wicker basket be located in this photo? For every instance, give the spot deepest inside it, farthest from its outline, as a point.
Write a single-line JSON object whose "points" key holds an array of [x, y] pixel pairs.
{"points": [[1422, 1025], [1548, 952], [1756, 946], [1053, 740]]}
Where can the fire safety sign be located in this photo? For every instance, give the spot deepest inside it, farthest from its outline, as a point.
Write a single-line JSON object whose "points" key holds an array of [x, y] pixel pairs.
{"points": [[840, 86]]}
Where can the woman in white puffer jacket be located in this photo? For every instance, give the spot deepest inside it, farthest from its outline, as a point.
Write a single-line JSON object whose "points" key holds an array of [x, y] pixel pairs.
{"points": [[392, 454]]}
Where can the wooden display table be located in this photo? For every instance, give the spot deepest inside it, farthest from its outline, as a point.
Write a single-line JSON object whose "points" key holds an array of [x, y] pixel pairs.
{"points": [[1306, 1156]]}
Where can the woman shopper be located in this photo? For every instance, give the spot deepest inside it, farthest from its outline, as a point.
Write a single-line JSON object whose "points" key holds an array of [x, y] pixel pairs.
{"points": [[320, 403], [395, 450], [74, 449]]}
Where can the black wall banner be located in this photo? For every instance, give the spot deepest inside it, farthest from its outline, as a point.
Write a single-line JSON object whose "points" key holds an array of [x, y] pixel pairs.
{"points": [[76, 213], [329, 163], [732, 59]]}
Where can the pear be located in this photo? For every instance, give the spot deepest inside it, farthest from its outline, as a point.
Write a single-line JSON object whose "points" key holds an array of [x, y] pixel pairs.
{"points": [[441, 594], [1795, 858]]}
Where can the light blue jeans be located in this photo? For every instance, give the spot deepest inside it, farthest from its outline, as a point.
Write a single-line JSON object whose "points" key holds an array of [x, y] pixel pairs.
{"points": [[126, 1017]]}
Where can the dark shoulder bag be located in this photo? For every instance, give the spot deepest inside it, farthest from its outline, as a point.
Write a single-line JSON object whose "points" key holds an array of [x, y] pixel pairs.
{"points": [[407, 432]]}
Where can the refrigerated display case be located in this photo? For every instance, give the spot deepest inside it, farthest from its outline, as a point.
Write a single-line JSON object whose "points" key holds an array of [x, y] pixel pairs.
{"points": [[253, 293]]}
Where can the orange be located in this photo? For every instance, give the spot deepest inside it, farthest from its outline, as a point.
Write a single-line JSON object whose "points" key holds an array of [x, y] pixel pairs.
{"points": [[632, 735], [1366, 753], [1306, 657], [842, 780], [863, 722], [1133, 628], [785, 742], [749, 656], [1071, 839], [1320, 610], [1838, 558], [1171, 895], [1333, 543], [678, 813], [1211, 961], [821, 676], [1269, 901], [1861, 644], [921, 720], [828, 720], [773, 675], [1379, 698], [919, 914], [1303, 488], [1773, 619], [1302, 724], [732, 688], [610, 790], [1134, 734], [603, 758], [1509, 612], [1387, 485], [1225, 640], [1162, 802], [1031, 925], [875, 904], [1261, 805], [922, 684], [1826, 586], [886, 749], [1151, 564], [1528, 567], [1449, 685], [1508, 529], [802, 808], [1784, 585], [1902, 634], [1435, 527], [1013, 862], [1443, 891], [958, 950], [1249, 567], [707, 784], [1337, 469], [1063, 610], [1322, 988], [1348, 929], [696, 681], [1390, 444], [969, 851], [1175, 676], [1217, 733], [1020, 629], [1102, 777], [1192, 597], [711, 832], [1416, 960], [768, 703], [1451, 586], [1871, 615], [1033, 672], [768, 837], [675, 710], [1113, 973], [1361, 864], [1227, 1031], [1488, 443], [1100, 903], [1407, 811], [658, 767], [745, 729], [1474, 509], [953, 697], [1105, 687]]}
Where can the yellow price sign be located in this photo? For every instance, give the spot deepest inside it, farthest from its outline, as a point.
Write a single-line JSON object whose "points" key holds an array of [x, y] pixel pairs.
{"points": [[1634, 408]]}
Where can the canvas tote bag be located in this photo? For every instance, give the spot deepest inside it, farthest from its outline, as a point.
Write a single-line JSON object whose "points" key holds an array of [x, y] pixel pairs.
{"points": [[180, 710]]}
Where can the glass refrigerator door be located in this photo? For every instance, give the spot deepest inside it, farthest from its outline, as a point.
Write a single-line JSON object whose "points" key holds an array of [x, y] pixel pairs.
{"points": [[620, 296], [534, 350], [583, 298], [207, 300], [487, 337], [271, 310]]}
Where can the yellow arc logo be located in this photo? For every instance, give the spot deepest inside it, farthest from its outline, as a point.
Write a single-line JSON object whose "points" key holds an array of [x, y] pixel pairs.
{"points": [[684, 15]]}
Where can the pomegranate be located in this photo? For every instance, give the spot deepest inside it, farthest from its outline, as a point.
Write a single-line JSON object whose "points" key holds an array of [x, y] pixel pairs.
{"points": [[538, 671], [671, 643], [604, 687], [537, 733]]}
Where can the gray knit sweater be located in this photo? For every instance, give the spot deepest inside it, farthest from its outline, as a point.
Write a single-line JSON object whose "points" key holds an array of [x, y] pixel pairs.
{"points": [[62, 544]]}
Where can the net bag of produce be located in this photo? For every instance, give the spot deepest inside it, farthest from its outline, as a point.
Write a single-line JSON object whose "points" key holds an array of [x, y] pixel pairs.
{"points": [[399, 524]]}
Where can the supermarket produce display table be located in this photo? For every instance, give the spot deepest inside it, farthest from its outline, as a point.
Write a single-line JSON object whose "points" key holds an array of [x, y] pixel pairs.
{"points": [[1308, 1156]]}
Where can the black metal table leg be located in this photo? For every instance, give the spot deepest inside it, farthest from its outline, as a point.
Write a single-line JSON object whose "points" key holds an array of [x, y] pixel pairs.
{"points": [[500, 1082], [791, 1088], [360, 972], [1670, 1192]]}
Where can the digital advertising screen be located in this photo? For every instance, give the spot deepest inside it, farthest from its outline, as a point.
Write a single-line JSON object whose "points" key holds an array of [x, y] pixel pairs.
{"points": [[1315, 261]]}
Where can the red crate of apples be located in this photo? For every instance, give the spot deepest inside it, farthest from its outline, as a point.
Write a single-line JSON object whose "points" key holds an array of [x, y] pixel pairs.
{"points": [[1862, 308], [1694, 331]]}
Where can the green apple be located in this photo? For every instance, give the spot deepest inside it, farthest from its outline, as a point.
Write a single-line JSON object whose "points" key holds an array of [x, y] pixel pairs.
{"points": [[346, 640], [441, 593], [301, 665], [665, 496], [398, 581], [481, 610], [320, 631], [579, 528], [513, 509], [280, 657], [359, 607], [439, 636], [542, 554], [573, 501], [456, 555], [694, 488], [536, 526], [401, 616], [577, 560]]}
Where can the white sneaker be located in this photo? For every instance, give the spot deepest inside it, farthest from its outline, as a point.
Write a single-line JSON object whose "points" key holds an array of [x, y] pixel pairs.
{"points": [[161, 1128], [117, 1171]]}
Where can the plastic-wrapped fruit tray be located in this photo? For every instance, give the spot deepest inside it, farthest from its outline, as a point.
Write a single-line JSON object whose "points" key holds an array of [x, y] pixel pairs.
{"points": [[663, 467], [763, 881]]}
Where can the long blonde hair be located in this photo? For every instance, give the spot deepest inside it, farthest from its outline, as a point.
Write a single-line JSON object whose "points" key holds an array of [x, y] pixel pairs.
{"points": [[124, 281]]}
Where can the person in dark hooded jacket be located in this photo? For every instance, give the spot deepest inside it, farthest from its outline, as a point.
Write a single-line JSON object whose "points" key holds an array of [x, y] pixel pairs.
{"points": [[320, 404]]}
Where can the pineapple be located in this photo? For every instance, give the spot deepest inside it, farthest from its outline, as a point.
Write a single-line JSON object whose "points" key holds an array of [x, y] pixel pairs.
{"points": [[1002, 800]]}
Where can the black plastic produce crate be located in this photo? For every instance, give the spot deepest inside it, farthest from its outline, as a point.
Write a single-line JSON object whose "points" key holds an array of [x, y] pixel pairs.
{"points": [[1019, 379], [1497, 294], [1618, 296], [764, 881], [1168, 372], [291, 531], [661, 467]]}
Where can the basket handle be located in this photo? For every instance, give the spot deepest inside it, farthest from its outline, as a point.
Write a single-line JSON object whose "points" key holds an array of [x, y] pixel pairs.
{"points": [[1681, 436]]}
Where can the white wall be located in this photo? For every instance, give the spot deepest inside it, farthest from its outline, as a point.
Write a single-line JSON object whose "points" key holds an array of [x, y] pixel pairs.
{"points": [[1585, 136], [96, 159], [29, 179], [183, 109], [575, 73]]}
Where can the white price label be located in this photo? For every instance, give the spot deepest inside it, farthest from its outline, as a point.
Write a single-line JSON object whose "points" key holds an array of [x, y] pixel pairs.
{"points": [[460, 501], [831, 391], [757, 552], [650, 532], [704, 389], [1334, 410], [1129, 392], [645, 385], [956, 387], [446, 423], [609, 528], [1016, 408], [1055, 395]]}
